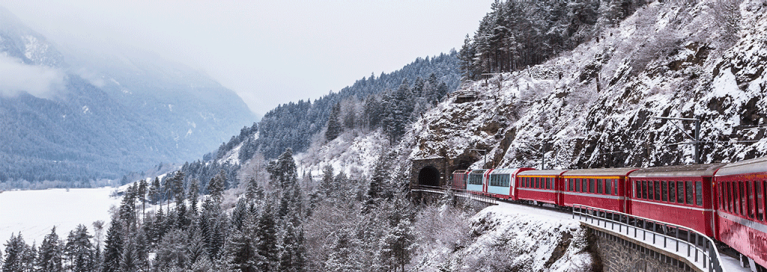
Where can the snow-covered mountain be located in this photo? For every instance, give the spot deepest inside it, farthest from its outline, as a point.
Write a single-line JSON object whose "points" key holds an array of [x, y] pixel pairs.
{"points": [[72, 115], [594, 105]]}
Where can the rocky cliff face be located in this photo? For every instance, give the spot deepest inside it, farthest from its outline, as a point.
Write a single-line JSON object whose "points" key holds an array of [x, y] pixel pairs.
{"points": [[594, 106]]}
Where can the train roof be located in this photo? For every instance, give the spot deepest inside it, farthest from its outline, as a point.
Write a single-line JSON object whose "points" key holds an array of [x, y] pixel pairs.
{"points": [[476, 171], [744, 167], [695, 170], [542, 173], [507, 170], [599, 172]]}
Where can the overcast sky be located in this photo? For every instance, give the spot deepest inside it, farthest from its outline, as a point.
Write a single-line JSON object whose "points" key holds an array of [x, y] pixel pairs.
{"points": [[269, 52]]}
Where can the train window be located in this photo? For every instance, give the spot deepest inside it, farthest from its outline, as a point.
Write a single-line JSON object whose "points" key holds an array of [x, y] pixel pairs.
{"points": [[475, 179], [644, 189], [577, 185], [537, 182], [759, 200], [650, 190], [733, 186], [615, 192], [585, 185], [638, 189], [689, 192], [551, 183], [507, 180], [591, 186], [698, 194], [723, 196], [742, 199], [569, 185], [664, 190], [749, 199], [609, 186], [548, 183], [599, 186], [657, 190], [671, 191], [680, 192]]}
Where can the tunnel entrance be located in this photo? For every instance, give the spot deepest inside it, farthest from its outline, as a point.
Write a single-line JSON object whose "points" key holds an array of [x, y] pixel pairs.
{"points": [[429, 176]]}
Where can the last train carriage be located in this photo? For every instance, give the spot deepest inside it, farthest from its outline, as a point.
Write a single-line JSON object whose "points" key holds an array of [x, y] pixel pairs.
{"points": [[742, 197]]}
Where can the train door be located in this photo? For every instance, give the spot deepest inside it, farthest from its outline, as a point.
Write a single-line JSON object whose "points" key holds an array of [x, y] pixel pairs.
{"points": [[626, 192]]}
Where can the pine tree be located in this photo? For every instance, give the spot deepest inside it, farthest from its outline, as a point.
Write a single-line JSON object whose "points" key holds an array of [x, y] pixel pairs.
{"points": [[29, 259], [334, 125], [113, 247], [253, 191], [266, 243], [142, 191], [14, 254], [193, 194], [240, 253], [154, 191], [49, 258], [80, 251], [292, 255], [284, 172], [326, 185], [216, 187], [172, 251]]}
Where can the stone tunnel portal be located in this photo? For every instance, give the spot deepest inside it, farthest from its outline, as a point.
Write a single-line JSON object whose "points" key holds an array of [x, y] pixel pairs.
{"points": [[429, 176]]}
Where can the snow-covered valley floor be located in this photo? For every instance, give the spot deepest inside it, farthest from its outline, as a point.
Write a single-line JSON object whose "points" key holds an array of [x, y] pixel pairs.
{"points": [[34, 213]]}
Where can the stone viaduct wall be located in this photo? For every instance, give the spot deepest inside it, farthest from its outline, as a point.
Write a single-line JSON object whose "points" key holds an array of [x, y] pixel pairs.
{"points": [[619, 255]]}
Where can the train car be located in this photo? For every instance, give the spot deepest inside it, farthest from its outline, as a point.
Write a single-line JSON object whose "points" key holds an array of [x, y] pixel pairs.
{"points": [[601, 188], [741, 190], [477, 181], [459, 180], [679, 195], [540, 185], [502, 183]]}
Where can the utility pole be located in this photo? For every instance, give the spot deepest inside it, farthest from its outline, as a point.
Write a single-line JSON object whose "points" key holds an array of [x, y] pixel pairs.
{"points": [[484, 155], [543, 160], [695, 137]]}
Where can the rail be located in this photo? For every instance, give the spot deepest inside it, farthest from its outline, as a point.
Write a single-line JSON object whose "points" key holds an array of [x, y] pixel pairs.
{"points": [[457, 192], [697, 244]]}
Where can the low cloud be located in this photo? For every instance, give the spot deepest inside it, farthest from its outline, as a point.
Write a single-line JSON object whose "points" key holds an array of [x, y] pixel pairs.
{"points": [[17, 77]]}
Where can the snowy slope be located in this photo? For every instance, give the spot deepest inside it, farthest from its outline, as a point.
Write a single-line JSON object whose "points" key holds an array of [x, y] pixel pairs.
{"points": [[353, 152], [511, 237], [594, 105]]}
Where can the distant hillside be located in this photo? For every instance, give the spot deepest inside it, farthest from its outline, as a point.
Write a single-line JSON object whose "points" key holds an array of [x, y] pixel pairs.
{"points": [[102, 116], [406, 92]]}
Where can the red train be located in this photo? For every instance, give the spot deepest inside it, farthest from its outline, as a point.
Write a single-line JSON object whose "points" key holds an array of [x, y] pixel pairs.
{"points": [[727, 202]]}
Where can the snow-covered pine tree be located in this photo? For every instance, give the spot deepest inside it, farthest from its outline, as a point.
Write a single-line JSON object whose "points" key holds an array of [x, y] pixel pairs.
{"points": [[142, 191], [283, 171], [172, 251], [334, 125], [193, 194], [14, 254], [113, 247], [49, 255], [29, 259], [216, 187], [253, 191], [266, 243]]}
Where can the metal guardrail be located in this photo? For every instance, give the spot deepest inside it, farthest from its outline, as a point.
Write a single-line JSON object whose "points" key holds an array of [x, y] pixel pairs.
{"points": [[456, 192], [696, 243]]}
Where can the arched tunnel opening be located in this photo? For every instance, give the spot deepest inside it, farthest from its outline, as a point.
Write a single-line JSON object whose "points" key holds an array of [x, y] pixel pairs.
{"points": [[429, 176]]}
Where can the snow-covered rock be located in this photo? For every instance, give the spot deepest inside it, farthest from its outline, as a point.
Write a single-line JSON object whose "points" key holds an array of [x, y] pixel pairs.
{"points": [[594, 105]]}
